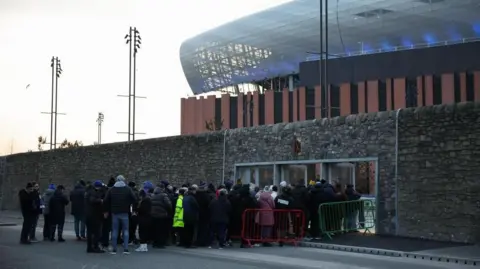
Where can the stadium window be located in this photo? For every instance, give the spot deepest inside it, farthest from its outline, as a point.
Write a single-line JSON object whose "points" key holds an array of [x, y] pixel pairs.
{"points": [[437, 90], [470, 87], [382, 95], [457, 88], [354, 98], [334, 101], [309, 103], [411, 92]]}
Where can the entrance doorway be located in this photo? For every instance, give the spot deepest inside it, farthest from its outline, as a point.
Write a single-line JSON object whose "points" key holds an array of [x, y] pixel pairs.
{"points": [[260, 175]]}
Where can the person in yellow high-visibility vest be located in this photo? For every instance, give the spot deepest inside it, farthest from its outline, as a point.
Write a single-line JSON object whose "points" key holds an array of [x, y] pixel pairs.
{"points": [[178, 223]]}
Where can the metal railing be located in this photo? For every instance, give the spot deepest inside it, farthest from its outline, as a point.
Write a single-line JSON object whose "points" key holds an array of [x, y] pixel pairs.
{"points": [[345, 217], [394, 48]]}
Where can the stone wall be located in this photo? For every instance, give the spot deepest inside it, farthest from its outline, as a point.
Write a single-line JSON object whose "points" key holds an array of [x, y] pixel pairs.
{"points": [[439, 172], [437, 164], [177, 159]]}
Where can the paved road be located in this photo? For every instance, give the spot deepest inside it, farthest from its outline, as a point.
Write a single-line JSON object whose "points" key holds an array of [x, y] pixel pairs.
{"points": [[71, 255]]}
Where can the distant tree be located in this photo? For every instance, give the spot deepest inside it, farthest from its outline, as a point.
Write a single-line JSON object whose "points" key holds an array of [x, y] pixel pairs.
{"points": [[67, 144], [213, 125], [29, 150], [41, 140]]}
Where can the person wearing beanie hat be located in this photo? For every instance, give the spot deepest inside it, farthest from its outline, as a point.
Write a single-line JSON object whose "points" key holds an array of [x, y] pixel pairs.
{"points": [[161, 208], [202, 184], [118, 202], [57, 205], [190, 217], [94, 216], [165, 183], [47, 195], [77, 202], [147, 186], [283, 184], [228, 185]]}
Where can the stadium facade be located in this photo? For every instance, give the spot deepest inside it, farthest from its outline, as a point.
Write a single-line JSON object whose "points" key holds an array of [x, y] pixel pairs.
{"points": [[383, 55]]}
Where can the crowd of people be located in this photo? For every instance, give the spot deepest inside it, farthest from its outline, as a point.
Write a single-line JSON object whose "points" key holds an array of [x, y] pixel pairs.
{"points": [[106, 215]]}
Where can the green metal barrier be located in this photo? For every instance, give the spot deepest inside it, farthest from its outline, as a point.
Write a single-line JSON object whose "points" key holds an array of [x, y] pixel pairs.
{"points": [[344, 217]]}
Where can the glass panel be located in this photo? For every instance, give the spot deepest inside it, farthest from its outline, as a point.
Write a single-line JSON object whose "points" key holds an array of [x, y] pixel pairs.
{"points": [[294, 173], [245, 174], [342, 173], [265, 176]]}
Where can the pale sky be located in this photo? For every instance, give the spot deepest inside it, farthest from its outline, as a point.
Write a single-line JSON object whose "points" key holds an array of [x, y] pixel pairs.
{"points": [[87, 35]]}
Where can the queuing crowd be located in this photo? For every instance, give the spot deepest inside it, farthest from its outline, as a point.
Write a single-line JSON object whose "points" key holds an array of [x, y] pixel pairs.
{"points": [[106, 215]]}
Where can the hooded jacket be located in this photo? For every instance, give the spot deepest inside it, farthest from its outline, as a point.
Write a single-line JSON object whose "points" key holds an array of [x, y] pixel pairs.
{"points": [[27, 203], [119, 199], [161, 205], [77, 198], [46, 200], [57, 204], [93, 204]]}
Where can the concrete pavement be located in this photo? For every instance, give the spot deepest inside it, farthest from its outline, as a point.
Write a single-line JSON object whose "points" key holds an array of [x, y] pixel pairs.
{"points": [[53, 255]]}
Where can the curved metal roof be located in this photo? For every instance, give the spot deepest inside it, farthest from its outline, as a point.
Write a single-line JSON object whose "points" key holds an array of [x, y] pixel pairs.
{"points": [[273, 42]]}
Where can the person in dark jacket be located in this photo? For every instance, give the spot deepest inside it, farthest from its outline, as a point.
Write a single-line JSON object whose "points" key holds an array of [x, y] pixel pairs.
{"points": [[133, 220], [94, 216], [352, 208], [161, 211], [246, 201], [38, 210], [118, 202], [77, 202], [284, 201], [203, 197], [317, 197], [220, 210], [235, 223], [57, 205], [46, 211], [190, 218], [144, 218], [170, 191], [106, 222], [28, 209], [301, 199]]}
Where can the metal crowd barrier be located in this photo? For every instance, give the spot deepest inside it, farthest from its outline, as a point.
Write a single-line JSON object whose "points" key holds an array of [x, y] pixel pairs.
{"points": [[268, 226], [344, 217]]}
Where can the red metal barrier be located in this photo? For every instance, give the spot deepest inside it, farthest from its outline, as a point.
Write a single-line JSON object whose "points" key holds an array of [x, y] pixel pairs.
{"points": [[277, 225]]}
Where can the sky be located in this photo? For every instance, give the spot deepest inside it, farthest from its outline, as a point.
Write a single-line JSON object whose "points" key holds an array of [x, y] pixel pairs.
{"points": [[88, 37]]}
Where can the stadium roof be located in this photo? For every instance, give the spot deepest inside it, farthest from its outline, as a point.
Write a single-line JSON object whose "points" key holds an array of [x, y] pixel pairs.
{"points": [[273, 42]]}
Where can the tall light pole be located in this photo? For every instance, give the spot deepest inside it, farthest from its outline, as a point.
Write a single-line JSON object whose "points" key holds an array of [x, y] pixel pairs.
{"points": [[100, 120], [56, 72], [57, 75], [134, 41]]}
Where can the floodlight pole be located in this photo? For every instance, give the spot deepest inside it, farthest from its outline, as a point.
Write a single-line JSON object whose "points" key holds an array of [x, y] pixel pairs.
{"points": [[100, 119], [52, 102], [325, 67], [134, 41], [56, 72], [57, 75]]}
